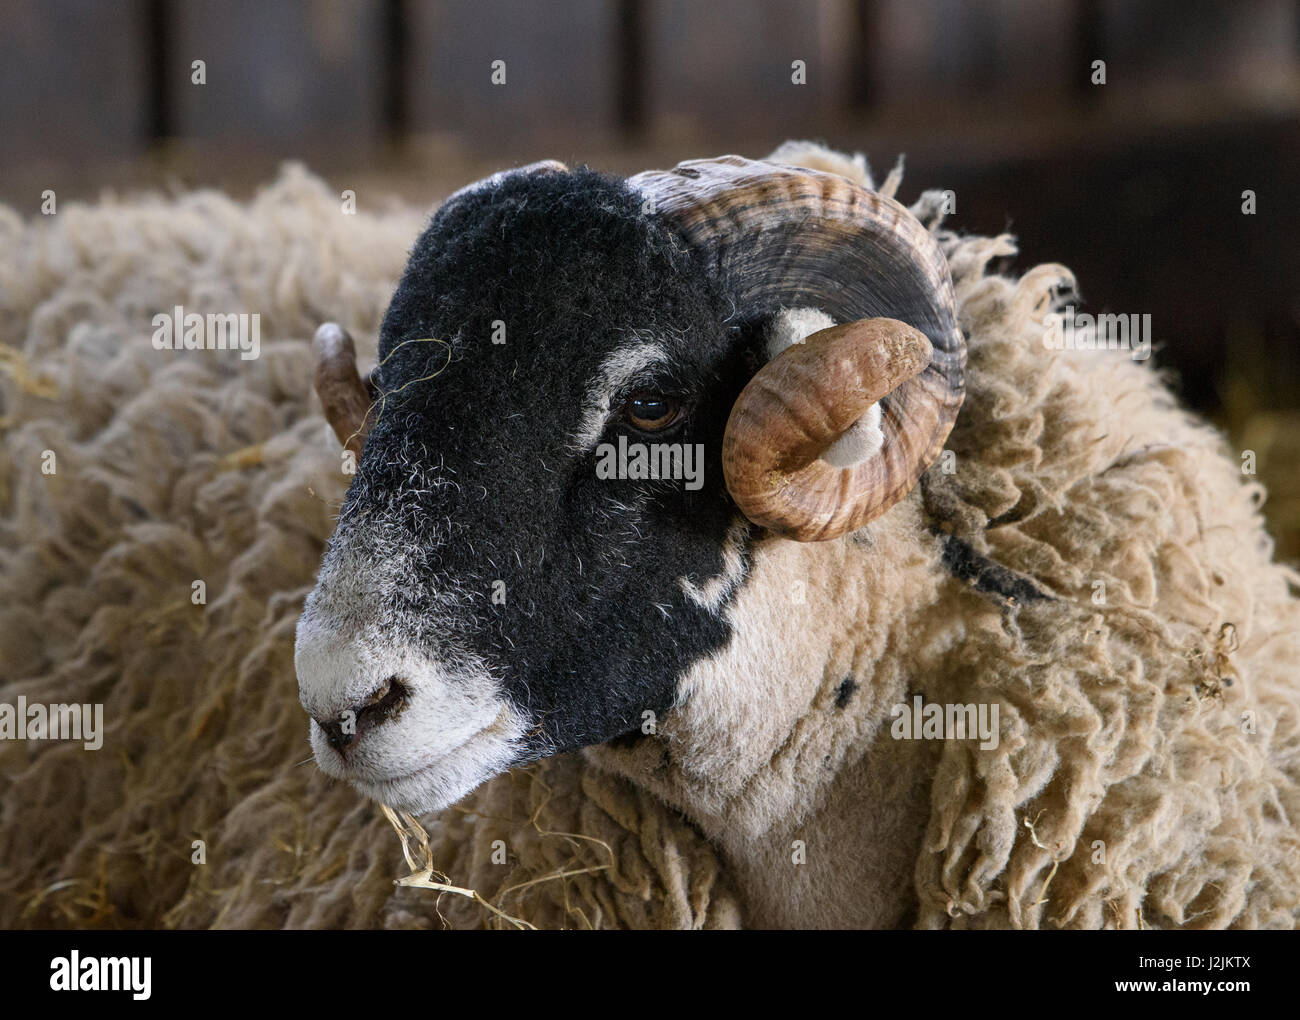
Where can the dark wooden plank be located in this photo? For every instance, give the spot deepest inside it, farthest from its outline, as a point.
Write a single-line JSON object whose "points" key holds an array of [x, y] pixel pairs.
{"points": [[280, 75], [970, 54], [726, 68], [1166, 45], [560, 82], [71, 79]]}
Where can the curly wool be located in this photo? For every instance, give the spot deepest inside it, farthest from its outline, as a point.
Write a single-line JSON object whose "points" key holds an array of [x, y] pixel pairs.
{"points": [[1152, 697], [1149, 767], [178, 467]]}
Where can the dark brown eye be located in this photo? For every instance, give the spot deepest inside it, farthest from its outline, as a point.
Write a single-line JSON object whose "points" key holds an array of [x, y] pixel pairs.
{"points": [[651, 411]]}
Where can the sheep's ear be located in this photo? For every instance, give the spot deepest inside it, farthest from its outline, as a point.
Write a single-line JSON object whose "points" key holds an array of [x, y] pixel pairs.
{"points": [[346, 399]]}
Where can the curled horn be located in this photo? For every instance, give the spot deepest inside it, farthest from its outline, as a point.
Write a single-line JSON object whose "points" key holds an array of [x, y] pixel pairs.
{"points": [[346, 398], [781, 237]]}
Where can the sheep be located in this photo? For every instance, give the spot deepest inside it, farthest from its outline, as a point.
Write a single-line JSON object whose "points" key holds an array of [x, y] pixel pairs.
{"points": [[741, 651], [1117, 722]]}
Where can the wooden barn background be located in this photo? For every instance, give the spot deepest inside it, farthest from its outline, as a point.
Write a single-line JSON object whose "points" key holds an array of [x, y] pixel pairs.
{"points": [[1136, 183]]}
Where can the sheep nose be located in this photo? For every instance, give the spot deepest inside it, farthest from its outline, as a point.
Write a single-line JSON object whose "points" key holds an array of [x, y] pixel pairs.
{"points": [[344, 731]]}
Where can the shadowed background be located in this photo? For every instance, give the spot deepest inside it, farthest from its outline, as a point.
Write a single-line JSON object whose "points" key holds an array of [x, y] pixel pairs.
{"points": [[1135, 184]]}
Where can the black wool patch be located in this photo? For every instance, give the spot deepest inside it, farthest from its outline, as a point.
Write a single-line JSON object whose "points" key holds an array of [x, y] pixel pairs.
{"points": [[847, 686], [986, 576]]}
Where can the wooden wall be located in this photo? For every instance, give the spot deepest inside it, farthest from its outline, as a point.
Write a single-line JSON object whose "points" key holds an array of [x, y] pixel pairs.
{"points": [[86, 79]]}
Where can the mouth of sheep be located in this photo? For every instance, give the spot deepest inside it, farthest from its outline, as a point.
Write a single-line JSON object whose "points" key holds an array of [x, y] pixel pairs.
{"points": [[377, 784]]}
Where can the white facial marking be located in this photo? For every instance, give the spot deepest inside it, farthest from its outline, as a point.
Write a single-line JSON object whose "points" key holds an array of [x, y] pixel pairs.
{"points": [[617, 370], [711, 593]]}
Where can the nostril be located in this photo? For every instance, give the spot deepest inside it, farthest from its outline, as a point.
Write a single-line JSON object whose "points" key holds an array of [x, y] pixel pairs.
{"points": [[387, 700], [340, 733], [384, 703]]}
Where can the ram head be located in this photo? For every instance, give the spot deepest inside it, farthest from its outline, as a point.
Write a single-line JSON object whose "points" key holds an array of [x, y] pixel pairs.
{"points": [[594, 398]]}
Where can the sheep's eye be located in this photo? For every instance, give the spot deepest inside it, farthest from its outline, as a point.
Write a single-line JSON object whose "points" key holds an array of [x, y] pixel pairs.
{"points": [[651, 411]]}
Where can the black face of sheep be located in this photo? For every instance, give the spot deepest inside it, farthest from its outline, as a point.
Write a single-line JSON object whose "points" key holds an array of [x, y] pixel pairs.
{"points": [[545, 527]]}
